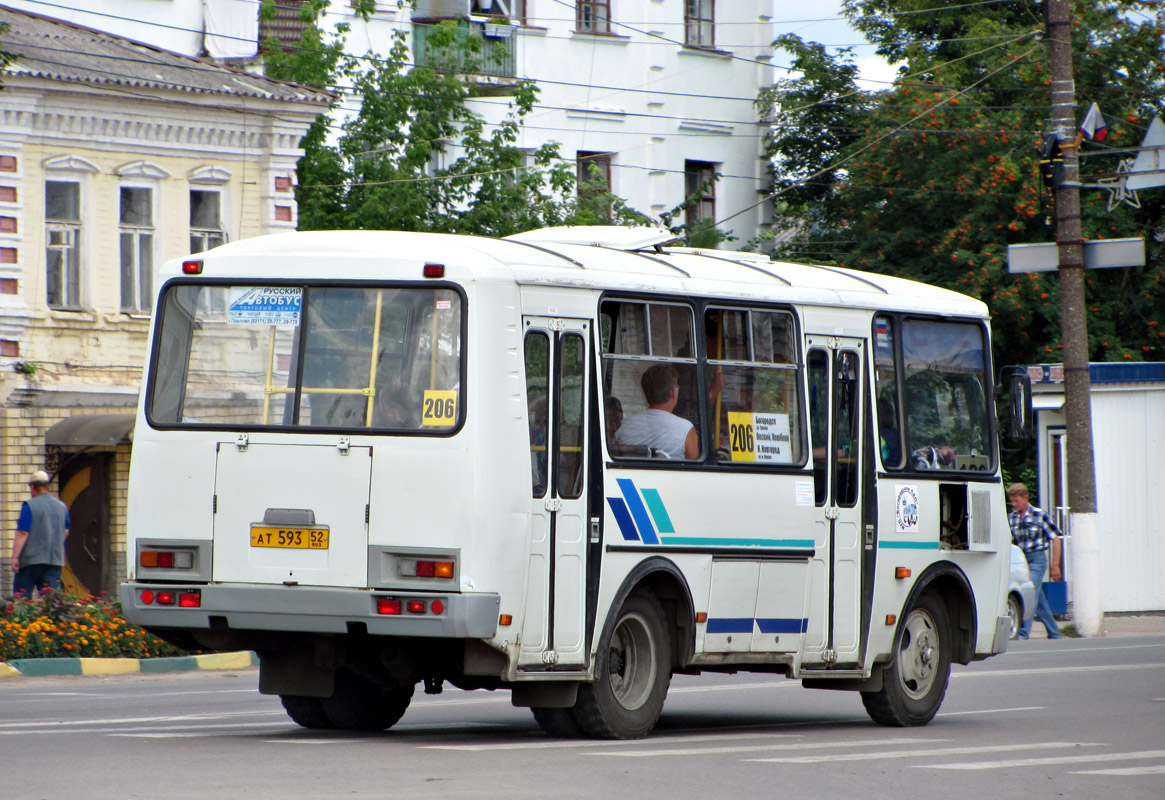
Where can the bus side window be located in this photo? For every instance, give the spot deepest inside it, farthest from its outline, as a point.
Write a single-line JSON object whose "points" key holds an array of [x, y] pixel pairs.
{"points": [[818, 374], [638, 336], [538, 406]]}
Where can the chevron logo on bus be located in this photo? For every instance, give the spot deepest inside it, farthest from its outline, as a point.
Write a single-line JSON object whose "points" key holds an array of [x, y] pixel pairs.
{"points": [[640, 513]]}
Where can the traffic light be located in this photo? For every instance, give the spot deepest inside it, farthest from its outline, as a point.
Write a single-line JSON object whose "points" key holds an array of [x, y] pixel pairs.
{"points": [[1051, 160]]}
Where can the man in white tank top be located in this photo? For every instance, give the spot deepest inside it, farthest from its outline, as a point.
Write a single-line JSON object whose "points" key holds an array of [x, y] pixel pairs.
{"points": [[656, 427]]}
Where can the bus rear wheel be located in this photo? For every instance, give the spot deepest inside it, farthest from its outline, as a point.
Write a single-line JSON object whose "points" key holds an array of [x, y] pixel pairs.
{"points": [[559, 722], [632, 673], [307, 712], [357, 704], [915, 680]]}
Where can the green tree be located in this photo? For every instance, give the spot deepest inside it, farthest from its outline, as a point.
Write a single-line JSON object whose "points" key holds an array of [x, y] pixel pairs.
{"points": [[414, 155], [6, 58], [934, 176]]}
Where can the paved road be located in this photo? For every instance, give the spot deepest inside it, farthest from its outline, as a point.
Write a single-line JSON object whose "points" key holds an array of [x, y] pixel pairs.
{"points": [[1072, 719]]}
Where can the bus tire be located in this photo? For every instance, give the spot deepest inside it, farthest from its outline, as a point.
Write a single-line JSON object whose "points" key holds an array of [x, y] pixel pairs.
{"points": [[307, 712], [915, 680], [559, 722], [632, 673], [357, 704]]}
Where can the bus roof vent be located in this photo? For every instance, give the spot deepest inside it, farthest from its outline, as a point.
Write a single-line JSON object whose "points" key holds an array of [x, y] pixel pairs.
{"points": [[616, 237]]}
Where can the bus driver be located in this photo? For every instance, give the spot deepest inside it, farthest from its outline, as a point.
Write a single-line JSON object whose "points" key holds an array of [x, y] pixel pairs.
{"points": [[657, 427]]}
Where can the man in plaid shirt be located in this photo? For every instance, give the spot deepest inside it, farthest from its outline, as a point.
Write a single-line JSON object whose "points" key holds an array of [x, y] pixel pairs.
{"points": [[1033, 530]]}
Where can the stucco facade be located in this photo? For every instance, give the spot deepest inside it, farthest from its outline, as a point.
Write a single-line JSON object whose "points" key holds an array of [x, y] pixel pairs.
{"points": [[113, 158]]}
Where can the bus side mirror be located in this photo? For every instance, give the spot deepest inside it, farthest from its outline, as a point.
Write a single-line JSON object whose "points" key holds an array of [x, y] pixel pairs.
{"points": [[1018, 386]]}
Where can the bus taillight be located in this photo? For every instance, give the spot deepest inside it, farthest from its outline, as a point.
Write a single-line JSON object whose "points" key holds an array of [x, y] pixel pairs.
{"points": [[422, 568], [167, 559], [388, 606]]}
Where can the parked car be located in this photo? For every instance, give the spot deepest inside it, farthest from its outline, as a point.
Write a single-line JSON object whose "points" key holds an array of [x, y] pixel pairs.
{"points": [[1021, 592]]}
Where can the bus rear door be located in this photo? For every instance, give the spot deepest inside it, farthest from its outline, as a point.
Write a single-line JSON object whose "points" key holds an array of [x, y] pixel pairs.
{"points": [[291, 514]]}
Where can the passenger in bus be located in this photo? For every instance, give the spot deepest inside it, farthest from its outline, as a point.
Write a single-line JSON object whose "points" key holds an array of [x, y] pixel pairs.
{"points": [[395, 408], [934, 457], [539, 420], [890, 439], [657, 427], [613, 411]]}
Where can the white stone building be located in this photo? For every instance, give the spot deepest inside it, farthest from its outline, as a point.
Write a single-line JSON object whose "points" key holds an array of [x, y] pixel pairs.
{"points": [[658, 93]]}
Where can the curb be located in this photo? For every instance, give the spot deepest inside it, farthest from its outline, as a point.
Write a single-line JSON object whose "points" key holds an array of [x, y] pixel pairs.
{"points": [[42, 667]]}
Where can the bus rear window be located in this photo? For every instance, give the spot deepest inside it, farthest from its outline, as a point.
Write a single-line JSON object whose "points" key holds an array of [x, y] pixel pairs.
{"points": [[304, 356]]}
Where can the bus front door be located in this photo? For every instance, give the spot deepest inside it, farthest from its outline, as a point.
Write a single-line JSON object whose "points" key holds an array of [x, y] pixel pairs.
{"points": [[836, 381], [557, 386]]}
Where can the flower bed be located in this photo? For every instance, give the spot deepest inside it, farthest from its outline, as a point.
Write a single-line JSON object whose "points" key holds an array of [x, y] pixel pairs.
{"points": [[57, 625]]}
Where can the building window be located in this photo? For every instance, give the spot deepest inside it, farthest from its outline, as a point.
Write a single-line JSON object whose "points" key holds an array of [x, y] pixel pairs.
{"points": [[137, 248], [594, 171], [514, 9], [700, 191], [700, 23], [63, 243], [594, 16], [206, 229]]}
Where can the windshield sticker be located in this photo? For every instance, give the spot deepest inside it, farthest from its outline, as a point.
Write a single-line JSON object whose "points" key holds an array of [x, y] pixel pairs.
{"points": [[760, 438], [439, 408], [266, 305]]}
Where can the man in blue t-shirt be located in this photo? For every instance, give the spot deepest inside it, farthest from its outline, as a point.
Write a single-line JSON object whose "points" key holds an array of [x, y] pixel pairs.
{"points": [[38, 551]]}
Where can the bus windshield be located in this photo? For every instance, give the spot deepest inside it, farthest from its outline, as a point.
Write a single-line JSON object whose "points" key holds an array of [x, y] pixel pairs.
{"points": [[307, 356]]}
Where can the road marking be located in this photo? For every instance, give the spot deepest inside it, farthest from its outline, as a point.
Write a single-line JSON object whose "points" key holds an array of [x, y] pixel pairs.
{"points": [[943, 751], [992, 711], [584, 743], [58, 725], [1036, 762], [150, 728], [1007, 673], [707, 751], [1156, 769]]}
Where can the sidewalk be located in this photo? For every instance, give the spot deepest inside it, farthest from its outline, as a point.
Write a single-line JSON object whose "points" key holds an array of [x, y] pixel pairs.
{"points": [[1117, 624], [41, 667]]}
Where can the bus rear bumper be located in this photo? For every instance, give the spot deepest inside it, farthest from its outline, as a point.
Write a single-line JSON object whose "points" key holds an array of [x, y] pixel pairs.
{"points": [[304, 609]]}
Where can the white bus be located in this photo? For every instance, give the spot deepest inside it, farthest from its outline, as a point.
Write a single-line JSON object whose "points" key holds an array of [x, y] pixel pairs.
{"points": [[568, 464]]}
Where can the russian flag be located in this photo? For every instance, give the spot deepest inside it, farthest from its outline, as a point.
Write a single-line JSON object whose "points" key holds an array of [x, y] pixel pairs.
{"points": [[1094, 126]]}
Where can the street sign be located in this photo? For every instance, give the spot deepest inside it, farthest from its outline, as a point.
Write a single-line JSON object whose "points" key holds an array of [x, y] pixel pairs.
{"points": [[1098, 254]]}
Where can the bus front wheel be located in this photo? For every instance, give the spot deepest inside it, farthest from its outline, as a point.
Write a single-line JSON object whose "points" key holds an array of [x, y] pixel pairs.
{"points": [[915, 680], [632, 673]]}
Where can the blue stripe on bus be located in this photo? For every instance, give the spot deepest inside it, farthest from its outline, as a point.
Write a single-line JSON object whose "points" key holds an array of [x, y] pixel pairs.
{"points": [[730, 625], [907, 545], [777, 625], [623, 517], [658, 511], [730, 542], [638, 511]]}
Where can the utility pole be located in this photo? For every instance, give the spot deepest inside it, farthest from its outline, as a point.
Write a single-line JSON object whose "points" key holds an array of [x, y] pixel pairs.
{"points": [[1087, 607]]}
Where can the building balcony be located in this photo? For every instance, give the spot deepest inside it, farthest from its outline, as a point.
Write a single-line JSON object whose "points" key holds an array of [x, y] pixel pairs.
{"points": [[485, 51]]}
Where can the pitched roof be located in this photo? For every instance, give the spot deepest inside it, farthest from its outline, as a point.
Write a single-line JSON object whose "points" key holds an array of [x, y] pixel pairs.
{"points": [[61, 51]]}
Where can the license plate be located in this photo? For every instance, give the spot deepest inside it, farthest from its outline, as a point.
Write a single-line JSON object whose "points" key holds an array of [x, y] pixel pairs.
{"points": [[292, 538]]}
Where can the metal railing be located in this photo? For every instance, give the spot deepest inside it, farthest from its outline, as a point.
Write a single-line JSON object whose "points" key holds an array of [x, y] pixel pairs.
{"points": [[478, 48]]}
